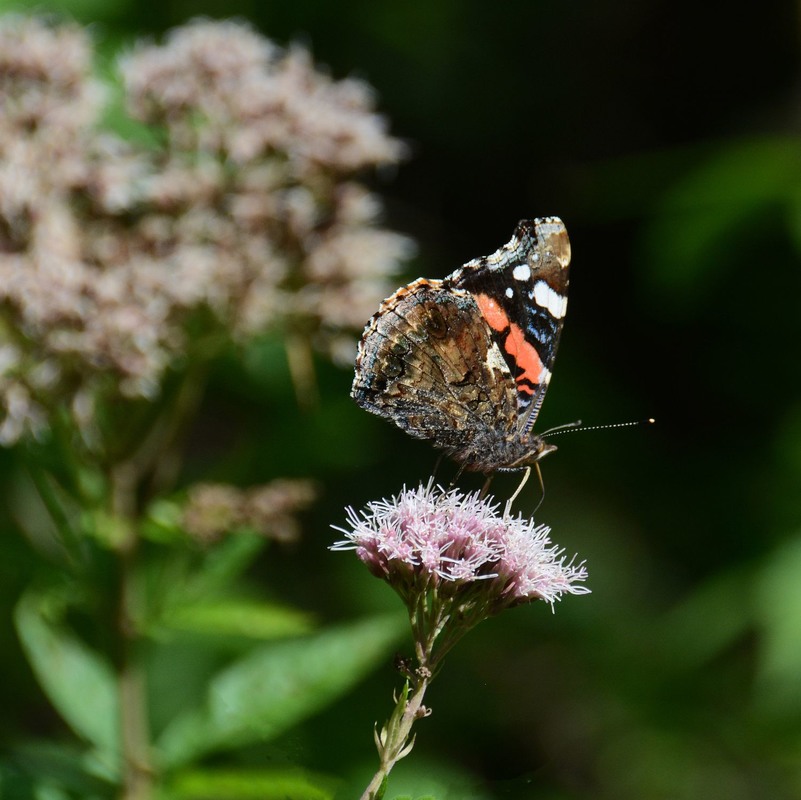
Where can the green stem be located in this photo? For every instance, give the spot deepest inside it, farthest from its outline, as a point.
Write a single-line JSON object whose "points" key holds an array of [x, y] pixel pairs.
{"points": [[394, 740], [429, 617], [157, 456], [155, 461], [138, 775], [137, 768]]}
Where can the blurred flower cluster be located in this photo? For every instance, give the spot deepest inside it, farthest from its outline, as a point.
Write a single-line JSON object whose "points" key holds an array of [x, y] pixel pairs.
{"points": [[214, 509], [232, 207]]}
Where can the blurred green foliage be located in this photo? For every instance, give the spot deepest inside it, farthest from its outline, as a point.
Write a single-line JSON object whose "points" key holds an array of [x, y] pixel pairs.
{"points": [[665, 136]]}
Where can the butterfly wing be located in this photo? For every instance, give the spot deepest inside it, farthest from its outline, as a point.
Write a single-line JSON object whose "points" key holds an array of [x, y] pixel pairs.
{"points": [[521, 291], [429, 363]]}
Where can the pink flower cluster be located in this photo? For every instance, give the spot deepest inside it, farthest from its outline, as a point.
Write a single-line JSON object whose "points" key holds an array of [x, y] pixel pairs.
{"points": [[431, 538]]}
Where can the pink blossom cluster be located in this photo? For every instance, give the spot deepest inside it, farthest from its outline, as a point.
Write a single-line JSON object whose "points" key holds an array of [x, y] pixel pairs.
{"points": [[429, 538], [231, 208]]}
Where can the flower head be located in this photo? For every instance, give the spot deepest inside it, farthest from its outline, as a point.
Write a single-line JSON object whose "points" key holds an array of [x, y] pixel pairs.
{"points": [[460, 547]]}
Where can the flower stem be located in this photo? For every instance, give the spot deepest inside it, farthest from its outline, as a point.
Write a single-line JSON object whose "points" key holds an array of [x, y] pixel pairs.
{"points": [[128, 478], [137, 770], [138, 773], [394, 739]]}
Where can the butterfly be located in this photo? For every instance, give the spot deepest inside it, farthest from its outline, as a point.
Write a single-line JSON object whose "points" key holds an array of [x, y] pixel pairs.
{"points": [[465, 361]]}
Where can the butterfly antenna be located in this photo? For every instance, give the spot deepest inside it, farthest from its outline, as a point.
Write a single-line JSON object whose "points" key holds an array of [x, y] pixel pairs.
{"points": [[567, 426], [577, 426]]}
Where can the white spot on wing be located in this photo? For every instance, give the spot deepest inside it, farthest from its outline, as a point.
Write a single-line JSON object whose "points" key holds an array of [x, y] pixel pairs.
{"points": [[495, 360], [510, 292], [522, 272], [553, 302]]}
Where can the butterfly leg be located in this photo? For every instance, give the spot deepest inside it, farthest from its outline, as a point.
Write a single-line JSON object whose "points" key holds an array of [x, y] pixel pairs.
{"points": [[452, 484], [485, 488], [519, 489], [542, 487]]}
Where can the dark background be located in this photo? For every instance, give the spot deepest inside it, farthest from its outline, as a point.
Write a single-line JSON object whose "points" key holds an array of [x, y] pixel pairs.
{"points": [[665, 134]]}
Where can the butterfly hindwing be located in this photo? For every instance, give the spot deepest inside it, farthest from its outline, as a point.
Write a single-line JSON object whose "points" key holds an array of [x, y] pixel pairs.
{"points": [[428, 363]]}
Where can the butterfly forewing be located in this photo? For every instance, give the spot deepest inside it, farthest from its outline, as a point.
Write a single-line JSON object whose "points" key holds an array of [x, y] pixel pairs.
{"points": [[522, 293]]}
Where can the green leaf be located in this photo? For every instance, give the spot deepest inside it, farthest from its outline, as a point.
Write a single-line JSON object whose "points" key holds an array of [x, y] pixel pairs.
{"points": [[273, 784], [15, 784], [189, 593], [276, 686], [78, 682], [778, 603], [225, 562], [64, 766], [163, 522], [238, 618]]}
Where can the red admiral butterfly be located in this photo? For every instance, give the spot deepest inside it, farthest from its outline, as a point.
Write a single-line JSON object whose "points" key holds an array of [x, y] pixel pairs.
{"points": [[465, 361]]}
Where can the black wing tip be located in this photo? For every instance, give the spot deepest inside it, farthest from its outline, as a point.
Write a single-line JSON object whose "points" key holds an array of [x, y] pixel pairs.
{"points": [[544, 233]]}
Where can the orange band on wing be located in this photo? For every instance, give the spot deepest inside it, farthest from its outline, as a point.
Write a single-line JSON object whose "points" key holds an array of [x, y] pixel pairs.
{"points": [[526, 357], [524, 353], [496, 317]]}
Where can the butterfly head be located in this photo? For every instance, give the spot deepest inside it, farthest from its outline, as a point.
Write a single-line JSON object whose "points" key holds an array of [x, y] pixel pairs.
{"points": [[539, 449], [536, 449]]}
